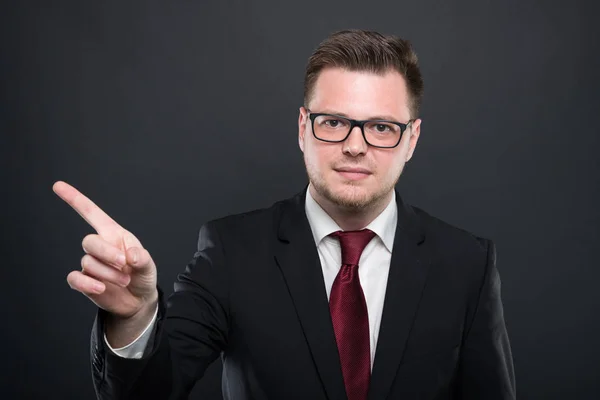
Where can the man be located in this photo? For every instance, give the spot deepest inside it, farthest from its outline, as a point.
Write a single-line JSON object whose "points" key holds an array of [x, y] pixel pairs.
{"points": [[343, 291]]}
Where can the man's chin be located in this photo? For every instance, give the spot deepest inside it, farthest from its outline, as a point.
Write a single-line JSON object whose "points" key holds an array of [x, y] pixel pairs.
{"points": [[350, 197]]}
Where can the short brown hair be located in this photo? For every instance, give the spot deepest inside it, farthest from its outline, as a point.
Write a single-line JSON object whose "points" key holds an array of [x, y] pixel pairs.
{"points": [[359, 50]]}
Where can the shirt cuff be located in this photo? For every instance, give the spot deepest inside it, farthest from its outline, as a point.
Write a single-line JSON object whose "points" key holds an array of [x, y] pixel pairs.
{"points": [[136, 348]]}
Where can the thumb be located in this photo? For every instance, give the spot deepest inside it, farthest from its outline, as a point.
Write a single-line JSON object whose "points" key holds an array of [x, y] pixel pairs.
{"points": [[139, 258]]}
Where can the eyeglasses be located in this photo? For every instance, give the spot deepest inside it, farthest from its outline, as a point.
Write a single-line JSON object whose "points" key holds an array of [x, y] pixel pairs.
{"points": [[377, 133]]}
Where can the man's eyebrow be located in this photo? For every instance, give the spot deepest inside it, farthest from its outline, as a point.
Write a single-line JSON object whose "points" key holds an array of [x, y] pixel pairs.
{"points": [[384, 118], [374, 117]]}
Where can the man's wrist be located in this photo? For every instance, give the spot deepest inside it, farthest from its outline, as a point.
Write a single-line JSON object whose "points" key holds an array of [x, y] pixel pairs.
{"points": [[122, 331]]}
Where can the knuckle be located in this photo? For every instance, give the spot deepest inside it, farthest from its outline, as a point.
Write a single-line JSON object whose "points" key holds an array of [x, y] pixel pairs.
{"points": [[70, 279], [74, 281], [88, 242], [85, 261]]}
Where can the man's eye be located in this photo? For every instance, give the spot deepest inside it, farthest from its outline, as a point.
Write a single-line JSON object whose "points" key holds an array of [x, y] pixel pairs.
{"points": [[382, 128], [333, 123]]}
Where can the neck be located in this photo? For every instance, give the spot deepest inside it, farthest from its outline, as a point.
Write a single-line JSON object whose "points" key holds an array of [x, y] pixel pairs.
{"points": [[348, 219]]}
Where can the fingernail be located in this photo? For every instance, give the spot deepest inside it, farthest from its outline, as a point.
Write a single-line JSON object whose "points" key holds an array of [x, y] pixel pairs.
{"points": [[98, 287], [124, 281], [135, 257], [121, 260]]}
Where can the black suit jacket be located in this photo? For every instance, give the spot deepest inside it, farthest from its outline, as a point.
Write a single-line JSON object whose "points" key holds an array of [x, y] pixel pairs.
{"points": [[254, 294]]}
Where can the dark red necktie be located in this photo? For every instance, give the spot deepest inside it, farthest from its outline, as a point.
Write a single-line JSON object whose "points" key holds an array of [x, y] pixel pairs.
{"points": [[349, 315]]}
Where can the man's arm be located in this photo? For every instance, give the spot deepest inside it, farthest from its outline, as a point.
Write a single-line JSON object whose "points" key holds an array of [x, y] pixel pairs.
{"points": [[486, 367], [190, 332]]}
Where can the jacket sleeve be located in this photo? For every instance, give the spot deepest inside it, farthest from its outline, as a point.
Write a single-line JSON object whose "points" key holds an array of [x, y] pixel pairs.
{"points": [[486, 366], [190, 332]]}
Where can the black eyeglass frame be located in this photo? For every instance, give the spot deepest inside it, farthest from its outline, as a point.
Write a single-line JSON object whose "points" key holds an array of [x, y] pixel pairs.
{"points": [[361, 124]]}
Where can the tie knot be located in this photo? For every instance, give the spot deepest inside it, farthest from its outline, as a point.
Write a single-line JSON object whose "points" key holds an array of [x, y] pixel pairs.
{"points": [[353, 243]]}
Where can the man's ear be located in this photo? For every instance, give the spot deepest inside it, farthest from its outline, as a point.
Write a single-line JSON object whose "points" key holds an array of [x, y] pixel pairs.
{"points": [[302, 119], [414, 131]]}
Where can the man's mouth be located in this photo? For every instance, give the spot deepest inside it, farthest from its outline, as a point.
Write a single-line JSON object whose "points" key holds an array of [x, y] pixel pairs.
{"points": [[353, 173]]}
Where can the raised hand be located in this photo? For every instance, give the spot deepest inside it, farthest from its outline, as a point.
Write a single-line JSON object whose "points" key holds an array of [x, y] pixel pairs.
{"points": [[117, 273]]}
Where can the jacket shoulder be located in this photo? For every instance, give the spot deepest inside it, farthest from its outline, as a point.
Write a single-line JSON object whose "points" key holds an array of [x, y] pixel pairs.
{"points": [[448, 236], [457, 254]]}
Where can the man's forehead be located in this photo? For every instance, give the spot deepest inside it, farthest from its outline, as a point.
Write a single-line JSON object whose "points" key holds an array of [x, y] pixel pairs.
{"points": [[361, 94]]}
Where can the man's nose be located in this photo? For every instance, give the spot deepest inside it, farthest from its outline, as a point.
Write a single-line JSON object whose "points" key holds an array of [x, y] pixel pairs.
{"points": [[355, 143]]}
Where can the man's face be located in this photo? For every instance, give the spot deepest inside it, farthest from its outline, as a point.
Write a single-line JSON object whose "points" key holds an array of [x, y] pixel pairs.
{"points": [[361, 96]]}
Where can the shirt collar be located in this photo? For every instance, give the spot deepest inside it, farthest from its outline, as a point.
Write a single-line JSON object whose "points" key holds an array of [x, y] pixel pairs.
{"points": [[322, 224]]}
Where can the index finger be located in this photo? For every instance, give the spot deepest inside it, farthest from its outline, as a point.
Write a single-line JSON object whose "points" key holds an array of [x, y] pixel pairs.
{"points": [[89, 211]]}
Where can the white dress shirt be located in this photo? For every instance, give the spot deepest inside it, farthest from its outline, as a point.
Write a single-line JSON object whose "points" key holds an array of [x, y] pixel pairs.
{"points": [[374, 267], [374, 262]]}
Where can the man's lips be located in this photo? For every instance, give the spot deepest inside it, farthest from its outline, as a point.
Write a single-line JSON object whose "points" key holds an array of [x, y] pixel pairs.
{"points": [[353, 173], [353, 169]]}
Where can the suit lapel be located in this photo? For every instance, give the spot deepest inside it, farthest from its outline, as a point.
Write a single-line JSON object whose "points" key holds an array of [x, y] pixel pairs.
{"points": [[406, 279], [298, 259]]}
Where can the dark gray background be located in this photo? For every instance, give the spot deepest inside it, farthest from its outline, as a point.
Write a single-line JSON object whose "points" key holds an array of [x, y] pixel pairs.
{"points": [[168, 114]]}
